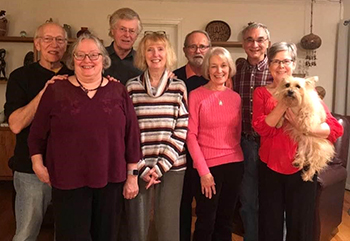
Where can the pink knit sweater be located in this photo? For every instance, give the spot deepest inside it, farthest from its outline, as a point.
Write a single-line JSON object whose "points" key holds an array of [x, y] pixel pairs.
{"points": [[214, 128]]}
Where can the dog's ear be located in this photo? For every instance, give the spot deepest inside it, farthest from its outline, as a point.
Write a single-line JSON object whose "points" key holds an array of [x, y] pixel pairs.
{"points": [[311, 81]]}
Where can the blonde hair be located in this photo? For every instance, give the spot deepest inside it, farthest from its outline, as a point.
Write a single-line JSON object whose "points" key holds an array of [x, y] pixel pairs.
{"points": [[154, 37], [223, 54]]}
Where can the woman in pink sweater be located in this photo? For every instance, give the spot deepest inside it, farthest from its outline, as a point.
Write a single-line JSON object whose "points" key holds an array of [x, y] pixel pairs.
{"points": [[214, 134]]}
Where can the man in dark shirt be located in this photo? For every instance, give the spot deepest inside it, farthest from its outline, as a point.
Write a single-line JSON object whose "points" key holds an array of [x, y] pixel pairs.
{"points": [[24, 90], [196, 44], [251, 73], [125, 26]]}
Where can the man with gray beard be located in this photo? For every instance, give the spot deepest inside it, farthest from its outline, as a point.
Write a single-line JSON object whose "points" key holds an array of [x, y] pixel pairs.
{"points": [[196, 44]]}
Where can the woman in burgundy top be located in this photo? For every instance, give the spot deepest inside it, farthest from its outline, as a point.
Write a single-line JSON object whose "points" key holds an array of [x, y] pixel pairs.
{"points": [[281, 188], [84, 137], [213, 140]]}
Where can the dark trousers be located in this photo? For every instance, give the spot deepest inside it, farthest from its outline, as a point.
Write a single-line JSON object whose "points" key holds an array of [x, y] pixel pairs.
{"points": [[279, 193], [188, 192], [88, 214], [215, 215]]}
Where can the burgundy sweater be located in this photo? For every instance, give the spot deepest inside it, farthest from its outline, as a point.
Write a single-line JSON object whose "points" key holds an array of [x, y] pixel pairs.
{"points": [[85, 142]]}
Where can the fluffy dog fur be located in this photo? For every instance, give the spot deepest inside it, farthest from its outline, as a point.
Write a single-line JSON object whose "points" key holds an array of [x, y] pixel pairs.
{"points": [[313, 153]]}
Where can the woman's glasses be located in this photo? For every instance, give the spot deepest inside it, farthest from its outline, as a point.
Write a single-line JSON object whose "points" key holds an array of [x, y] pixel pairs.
{"points": [[81, 56]]}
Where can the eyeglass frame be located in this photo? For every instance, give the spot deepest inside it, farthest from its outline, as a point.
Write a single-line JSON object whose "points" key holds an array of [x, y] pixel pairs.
{"points": [[49, 39], [155, 32], [127, 30], [87, 55], [259, 41], [285, 62], [194, 47]]}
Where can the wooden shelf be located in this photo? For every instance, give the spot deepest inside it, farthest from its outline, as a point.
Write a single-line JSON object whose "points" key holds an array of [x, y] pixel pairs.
{"points": [[3, 82], [25, 39], [228, 44], [16, 39]]}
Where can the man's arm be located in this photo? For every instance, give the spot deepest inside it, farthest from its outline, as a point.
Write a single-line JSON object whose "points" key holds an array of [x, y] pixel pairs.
{"points": [[23, 116]]}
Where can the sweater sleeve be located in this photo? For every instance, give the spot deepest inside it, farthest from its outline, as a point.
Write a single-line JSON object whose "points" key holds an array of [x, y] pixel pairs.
{"points": [[176, 141], [336, 129], [259, 115], [133, 152], [192, 136], [40, 128]]}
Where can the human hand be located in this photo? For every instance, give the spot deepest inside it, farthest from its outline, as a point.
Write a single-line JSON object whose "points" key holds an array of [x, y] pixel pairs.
{"points": [[229, 83], [53, 79], [110, 78], [208, 185], [291, 118], [42, 173], [131, 187], [151, 178], [172, 75]]}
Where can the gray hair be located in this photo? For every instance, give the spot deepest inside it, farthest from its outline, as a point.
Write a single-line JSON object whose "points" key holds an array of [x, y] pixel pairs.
{"points": [[106, 61], [39, 30], [197, 31], [222, 53], [125, 14], [254, 25], [282, 46]]}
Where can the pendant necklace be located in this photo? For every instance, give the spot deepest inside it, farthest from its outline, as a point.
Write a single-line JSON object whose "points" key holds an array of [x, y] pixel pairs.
{"points": [[220, 102], [88, 90]]}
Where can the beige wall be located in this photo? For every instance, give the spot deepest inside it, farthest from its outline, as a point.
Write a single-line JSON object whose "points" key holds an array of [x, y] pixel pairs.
{"points": [[287, 20], [346, 9]]}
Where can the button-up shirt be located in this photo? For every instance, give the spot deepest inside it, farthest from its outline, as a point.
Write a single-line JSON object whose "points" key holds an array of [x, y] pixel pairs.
{"points": [[246, 79]]}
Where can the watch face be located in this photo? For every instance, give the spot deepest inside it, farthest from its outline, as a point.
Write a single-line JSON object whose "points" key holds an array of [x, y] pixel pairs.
{"points": [[218, 30], [135, 172]]}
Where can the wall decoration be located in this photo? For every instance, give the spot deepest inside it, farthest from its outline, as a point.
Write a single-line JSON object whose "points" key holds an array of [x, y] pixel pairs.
{"points": [[3, 23], [310, 43], [218, 31], [2, 64]]}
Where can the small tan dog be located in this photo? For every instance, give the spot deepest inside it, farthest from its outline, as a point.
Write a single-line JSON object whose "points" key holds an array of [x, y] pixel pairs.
{"points": [[313, 153]]}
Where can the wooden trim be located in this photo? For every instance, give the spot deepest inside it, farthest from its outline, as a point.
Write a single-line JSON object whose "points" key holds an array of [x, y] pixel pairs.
{"points": [[228, 44]]}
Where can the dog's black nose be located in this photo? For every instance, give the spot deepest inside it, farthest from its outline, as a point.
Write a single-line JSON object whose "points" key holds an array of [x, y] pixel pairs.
{"points": [[290, 92]]}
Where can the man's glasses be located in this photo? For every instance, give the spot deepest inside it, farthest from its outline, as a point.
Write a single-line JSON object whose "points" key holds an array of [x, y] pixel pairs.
{"points": [[277, 62], [49, 39], [81, 56], [131, 31], [155, 32], [194, 47], [252, 41]]}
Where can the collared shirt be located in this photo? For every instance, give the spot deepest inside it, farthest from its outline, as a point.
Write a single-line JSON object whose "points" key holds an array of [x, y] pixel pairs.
{"points": [[246, 79], [121, 69], [191, 80]]}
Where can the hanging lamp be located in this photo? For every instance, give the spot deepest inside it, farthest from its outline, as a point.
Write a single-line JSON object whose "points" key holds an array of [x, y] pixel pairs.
{"points": [[311, 42]]}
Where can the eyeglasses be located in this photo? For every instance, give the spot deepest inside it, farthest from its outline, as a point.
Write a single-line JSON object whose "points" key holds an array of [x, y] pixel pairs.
{"points": [[277, 62], [258, 41], [131, 31], [194, 47], [81, 56], [155, 32], [49, 39]]}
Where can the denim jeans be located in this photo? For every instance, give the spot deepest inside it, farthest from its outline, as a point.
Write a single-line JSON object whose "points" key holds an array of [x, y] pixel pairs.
{"points": [[32, 199], [249, 189]]}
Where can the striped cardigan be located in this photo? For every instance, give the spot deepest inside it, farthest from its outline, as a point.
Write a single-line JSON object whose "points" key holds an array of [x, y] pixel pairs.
{"points": [[163, 120]]}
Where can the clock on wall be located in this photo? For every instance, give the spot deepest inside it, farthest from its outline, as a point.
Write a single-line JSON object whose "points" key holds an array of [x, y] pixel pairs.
{"points": [[218, 30]]}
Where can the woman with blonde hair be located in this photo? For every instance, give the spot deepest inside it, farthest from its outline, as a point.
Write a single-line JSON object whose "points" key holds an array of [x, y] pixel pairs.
{"points": [[214, 135], [161, 107]]}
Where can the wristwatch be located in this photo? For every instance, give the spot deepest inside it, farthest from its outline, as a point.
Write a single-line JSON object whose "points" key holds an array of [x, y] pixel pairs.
{"points": [[134, 172]]}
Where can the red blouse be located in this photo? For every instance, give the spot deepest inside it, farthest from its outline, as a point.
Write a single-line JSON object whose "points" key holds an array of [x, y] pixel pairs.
{"points": [[277, 149]]}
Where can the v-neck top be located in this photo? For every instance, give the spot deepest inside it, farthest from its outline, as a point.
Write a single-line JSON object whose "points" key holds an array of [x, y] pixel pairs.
{"points": [[87, 141]]}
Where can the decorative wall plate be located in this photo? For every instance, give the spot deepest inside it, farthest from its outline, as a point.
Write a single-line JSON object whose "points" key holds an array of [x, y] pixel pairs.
{"points": [[218, 30]]}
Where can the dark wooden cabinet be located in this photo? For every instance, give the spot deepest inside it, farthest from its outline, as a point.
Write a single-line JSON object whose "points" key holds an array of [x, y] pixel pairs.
{"points": [[7, 146]]}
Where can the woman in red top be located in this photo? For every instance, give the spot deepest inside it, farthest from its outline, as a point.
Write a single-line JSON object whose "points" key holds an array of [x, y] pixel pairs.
{"points": [[281, 188]]}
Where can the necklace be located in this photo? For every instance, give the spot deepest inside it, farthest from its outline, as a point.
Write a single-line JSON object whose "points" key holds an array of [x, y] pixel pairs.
{"points": [[88, 90], [220, 102]]}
